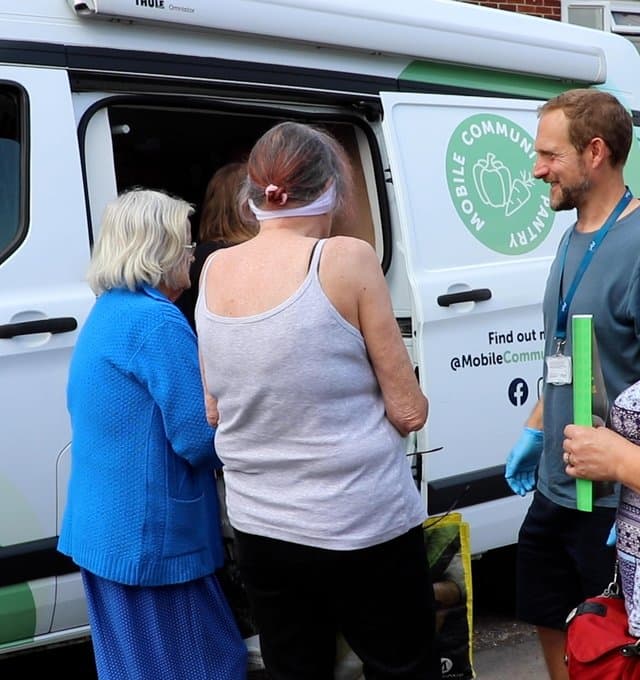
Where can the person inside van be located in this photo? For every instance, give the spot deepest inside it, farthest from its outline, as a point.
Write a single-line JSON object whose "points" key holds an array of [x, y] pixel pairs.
{"points": [[142, 517], [221, 224], [316, 393]]}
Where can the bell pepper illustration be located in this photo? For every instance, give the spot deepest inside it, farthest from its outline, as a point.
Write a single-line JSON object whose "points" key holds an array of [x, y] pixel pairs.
{"points": [[493, 181], [520, 193]]}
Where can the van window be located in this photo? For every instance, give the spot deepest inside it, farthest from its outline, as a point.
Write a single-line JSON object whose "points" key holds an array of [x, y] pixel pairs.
{"points": [[148, 152], [9, 168]]}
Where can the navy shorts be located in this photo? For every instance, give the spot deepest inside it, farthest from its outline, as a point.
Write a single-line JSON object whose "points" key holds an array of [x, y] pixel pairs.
{"points": [[562, 558]]}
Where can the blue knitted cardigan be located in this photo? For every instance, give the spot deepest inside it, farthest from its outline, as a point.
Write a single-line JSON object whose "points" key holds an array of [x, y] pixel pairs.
{"points": [[142, 507]]}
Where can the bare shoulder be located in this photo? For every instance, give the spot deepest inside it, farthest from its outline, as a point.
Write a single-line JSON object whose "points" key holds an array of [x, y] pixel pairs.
{"points": [[349, 269], [349, 254], [225, 259]]}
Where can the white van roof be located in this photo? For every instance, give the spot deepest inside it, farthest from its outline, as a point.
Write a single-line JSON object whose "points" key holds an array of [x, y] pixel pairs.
{"points": [[446, 31]]}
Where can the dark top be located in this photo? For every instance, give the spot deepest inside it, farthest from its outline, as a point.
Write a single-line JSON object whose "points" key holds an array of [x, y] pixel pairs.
{"points": [[187, 301]]}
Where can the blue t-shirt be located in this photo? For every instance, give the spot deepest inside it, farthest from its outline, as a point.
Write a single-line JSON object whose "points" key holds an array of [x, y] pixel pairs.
{"points": [[609, 290]]}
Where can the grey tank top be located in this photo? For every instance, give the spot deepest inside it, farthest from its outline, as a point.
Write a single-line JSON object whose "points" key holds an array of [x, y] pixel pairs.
{"points": [[309, 455]]}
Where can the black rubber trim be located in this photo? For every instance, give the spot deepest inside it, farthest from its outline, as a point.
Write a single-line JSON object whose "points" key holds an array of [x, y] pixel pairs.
{"points": [[107, 60], [469, 488], [32, 53], [212, 68], [33, 560], [23, 137]]}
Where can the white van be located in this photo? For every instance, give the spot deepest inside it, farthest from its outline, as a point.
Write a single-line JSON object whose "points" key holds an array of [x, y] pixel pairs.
{"points": [[435, 102]]}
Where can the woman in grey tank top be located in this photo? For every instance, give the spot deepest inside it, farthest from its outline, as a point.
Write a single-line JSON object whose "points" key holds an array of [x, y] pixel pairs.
{"points": [[316, 394]]}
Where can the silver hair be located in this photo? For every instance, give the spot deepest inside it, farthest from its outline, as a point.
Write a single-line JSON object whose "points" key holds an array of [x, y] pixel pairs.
{"points": [[142, 240]]}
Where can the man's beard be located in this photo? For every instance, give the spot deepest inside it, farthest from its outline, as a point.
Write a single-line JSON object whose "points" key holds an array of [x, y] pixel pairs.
{"points": [[571, 196]]}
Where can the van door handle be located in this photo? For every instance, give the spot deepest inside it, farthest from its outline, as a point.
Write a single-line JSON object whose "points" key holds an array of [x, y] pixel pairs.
{"points": [[473, 295], [62, 324]]}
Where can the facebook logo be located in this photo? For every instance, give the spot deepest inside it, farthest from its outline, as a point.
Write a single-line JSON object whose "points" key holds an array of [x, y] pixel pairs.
{"points": [[518, 392]]}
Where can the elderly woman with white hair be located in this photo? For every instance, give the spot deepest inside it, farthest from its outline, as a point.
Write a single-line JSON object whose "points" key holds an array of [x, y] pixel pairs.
{"points": [[141, 519]]}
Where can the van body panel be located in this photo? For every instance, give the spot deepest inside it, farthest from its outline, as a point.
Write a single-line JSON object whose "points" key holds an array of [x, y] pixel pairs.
{"points": [[41, 281], [436, 105], [473, 80], [463, 232], [26, 612]]}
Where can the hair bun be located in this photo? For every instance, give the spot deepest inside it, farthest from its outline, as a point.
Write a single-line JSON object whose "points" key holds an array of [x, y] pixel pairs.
{"points": [[275, 194]]}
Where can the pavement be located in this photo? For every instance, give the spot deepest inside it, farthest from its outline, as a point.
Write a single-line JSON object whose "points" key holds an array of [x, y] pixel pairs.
{"points": [[503, 647], [522, 662], [506, 650], [503, 650]]}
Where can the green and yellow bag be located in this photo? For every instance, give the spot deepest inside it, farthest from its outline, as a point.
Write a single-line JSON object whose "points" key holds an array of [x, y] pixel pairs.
{"points": [[449, 554]]}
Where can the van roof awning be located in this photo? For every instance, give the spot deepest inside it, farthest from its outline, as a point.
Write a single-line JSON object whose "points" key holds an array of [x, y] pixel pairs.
{"points": [[420, 29]]}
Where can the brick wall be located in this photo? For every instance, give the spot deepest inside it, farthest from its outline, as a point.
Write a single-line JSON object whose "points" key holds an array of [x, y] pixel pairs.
{"points": [[549, 9]]}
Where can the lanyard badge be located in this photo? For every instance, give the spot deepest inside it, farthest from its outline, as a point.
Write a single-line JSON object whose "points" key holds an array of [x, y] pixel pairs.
{"points": [[559, 369]]}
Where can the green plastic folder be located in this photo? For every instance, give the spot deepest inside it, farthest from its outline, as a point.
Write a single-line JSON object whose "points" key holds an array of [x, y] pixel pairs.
{"points": [[582, 336]]}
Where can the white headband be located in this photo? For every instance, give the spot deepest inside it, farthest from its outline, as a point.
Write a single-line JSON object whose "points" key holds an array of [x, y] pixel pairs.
{"points": [[323, 204]]}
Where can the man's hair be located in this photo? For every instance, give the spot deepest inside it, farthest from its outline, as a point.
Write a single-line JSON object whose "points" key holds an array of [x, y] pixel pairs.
{"points": [[594, 113], [141, 241]]}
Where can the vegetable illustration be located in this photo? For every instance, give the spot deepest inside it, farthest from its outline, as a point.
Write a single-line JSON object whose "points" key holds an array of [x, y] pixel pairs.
{"points": [[493, 181], [519, 194]]}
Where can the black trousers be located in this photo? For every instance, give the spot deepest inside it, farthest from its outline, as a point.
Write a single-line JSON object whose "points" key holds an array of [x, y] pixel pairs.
{"points": [[380, 598]]}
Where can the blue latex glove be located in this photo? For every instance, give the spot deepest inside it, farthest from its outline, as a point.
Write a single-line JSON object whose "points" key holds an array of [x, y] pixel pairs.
{"points": [[522, 462], [613, 536]]}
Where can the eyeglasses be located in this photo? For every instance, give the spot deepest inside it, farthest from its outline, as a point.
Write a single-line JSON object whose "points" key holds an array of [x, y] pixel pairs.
{"points": [[190, 247]]}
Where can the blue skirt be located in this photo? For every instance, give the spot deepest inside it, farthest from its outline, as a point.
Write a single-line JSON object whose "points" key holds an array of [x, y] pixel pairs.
{"points": [[184, 631]]}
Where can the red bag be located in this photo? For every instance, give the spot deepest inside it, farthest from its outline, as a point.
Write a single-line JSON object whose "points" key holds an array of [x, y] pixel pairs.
{"points": [[598, 644]]}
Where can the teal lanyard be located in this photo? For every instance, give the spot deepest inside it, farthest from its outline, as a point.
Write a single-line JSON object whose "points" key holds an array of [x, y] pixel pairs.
{"points": [[563, 307]]}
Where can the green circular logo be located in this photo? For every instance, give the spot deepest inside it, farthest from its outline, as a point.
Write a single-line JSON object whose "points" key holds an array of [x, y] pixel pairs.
{"points": [[491, 183]]}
